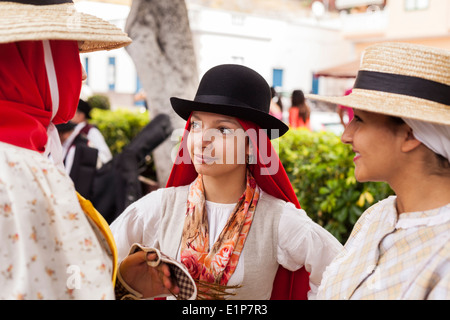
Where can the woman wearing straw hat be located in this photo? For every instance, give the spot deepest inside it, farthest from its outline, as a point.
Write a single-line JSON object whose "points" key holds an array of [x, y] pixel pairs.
{"points": [[55, 245], [399, 248], [229, 212]]}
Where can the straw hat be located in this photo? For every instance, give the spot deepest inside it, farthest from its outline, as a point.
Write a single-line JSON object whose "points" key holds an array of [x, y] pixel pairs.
{"points": [[22, 20], [402, 80]]}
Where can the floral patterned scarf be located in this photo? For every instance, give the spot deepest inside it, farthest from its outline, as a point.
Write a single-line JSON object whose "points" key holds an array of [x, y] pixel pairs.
{"points": [[215, 265]]}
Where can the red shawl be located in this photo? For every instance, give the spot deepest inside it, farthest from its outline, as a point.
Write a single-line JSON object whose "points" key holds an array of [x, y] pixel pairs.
{"points": [[25, 94], [287, 285]]}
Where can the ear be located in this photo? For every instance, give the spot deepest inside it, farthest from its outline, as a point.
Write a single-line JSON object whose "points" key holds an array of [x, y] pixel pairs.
{"points": [[249, 151], [248, 146], [410, 142]]}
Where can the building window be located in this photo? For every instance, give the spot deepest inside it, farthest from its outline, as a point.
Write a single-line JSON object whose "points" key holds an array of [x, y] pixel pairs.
{"points": [[238, 19], [86, 68], [414, 5], [111, 76], [238, 60], [315, 85], [277, 78]]}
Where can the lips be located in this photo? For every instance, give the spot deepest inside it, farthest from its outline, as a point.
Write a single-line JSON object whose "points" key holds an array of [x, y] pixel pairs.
{"points": [[357, 155], [198, 158]]}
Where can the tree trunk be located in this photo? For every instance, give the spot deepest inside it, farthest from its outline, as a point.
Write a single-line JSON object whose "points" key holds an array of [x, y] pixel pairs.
{"points": [[164, 55]]}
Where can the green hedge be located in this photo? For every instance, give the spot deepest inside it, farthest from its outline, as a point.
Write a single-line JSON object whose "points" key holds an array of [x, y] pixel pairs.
{"points": [[118, 127], [321, 171]]}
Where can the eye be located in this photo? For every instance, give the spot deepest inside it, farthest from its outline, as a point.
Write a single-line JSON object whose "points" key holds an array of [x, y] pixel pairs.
{"points": [[357, 118], [225, 131], [195, 125]]}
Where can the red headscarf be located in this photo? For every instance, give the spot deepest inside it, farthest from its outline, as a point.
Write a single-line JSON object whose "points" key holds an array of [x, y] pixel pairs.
{"points": [[287, 285], [26, 102]]}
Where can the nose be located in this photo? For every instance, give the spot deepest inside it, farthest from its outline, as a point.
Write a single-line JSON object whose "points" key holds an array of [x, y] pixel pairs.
{"points": [[347, 135], [207, 138], [201, 138]]}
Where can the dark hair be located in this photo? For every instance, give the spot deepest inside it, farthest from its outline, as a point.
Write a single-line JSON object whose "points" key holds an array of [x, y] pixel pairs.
{"points": [[278, 100], [85, 108], [298, 100]]}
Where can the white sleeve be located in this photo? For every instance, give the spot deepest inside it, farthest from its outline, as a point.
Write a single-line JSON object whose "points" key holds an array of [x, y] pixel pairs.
{"points": [[97, 140], [139, 223], [302, 242]]}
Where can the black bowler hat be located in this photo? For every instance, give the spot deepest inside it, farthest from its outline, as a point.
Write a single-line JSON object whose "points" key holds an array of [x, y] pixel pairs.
{"points": [[236, 91]]}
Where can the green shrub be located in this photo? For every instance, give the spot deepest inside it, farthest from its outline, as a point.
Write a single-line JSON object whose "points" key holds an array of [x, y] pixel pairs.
{"points": [[99, 101], [118, 127], [321, 171]]}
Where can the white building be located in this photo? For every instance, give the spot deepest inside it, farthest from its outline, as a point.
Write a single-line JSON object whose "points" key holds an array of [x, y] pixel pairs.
{"points": [[285, 51], [109, 71]]}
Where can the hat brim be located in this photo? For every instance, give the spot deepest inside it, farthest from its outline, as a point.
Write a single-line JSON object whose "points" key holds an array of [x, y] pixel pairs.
{"points": [[21, 22], [391, 104], [275, 128]]}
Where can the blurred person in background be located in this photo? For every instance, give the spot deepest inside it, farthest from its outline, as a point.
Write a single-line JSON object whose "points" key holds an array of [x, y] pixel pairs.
{"points": [[344, 110], [299, 112], [276, 105], [81, 161], [94, 136]]}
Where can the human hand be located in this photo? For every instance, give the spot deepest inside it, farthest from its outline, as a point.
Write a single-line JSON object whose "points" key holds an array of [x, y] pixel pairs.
{"points": [[147, 280]]}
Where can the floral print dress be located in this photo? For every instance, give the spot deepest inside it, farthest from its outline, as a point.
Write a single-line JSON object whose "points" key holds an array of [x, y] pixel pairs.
{"points": [[50, 248]]}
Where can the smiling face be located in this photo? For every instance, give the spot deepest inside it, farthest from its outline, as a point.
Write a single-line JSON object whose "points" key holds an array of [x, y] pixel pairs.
{"points": [[377, 143], [217, 144]]}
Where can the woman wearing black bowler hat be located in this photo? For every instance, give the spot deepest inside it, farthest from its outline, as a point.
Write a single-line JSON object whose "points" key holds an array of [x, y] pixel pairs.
{"points": [[229, 212]]}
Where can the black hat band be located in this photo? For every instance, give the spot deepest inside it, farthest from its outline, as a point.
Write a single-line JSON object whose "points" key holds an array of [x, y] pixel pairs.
{"points": [[217, 99], [404, 85]]}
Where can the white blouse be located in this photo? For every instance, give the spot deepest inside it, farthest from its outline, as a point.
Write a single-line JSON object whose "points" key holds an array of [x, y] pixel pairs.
{"points": [[301, 242], [390, 256]]}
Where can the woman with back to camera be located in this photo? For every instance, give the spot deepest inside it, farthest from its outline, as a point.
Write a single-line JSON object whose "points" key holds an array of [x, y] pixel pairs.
{"points": [[400, 133], [55, 245], [231, 215], [299, 112]]}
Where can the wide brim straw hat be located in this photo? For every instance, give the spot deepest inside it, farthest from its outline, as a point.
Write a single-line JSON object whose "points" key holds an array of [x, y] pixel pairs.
{"points": [[402, 80], [24, 20]]}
